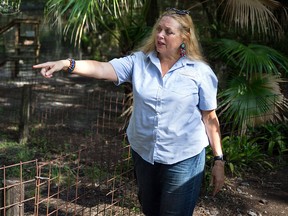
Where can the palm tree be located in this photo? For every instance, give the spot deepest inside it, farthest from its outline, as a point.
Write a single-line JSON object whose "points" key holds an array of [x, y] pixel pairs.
{"points": [[123, 20], [252, 94], [250, 83], [258, 19]]}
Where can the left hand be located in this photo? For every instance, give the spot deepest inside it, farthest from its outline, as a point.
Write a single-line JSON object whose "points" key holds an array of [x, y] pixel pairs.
{"points": [[218, 176]]}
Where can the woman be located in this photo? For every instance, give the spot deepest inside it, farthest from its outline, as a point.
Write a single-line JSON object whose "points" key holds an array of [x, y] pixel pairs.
{"points": [[173, 117]]}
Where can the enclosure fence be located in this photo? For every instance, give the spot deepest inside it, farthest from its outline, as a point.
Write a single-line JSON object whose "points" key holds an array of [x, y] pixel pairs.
{"points": [[80, 158]]}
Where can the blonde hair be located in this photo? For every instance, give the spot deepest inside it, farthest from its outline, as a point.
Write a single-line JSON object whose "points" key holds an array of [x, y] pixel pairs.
{"points": [[188, 32]]}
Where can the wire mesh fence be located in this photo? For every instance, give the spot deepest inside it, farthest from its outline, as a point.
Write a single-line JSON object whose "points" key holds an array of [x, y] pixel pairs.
{"points": [[81, 162]]}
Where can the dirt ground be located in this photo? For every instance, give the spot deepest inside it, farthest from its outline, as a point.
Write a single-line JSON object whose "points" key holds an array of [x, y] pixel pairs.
{"points": [[258, 193]]}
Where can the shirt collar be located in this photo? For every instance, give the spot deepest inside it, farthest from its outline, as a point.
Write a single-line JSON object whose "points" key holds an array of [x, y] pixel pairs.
{"points": [[152, 55], [182, 61]]}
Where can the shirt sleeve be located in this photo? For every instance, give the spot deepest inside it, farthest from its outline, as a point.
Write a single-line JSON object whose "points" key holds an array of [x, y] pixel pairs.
{"points": [[123, 68], [208, 88]]}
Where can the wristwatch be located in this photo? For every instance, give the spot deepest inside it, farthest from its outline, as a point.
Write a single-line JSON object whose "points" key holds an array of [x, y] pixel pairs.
{"points": [[219, 157]]}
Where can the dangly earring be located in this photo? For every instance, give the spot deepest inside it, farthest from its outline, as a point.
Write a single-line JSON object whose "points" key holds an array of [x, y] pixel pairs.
{"points": [[182, 50]]}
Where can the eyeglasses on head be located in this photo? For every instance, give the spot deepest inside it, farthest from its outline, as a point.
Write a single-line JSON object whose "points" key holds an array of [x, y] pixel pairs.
{"points": [[177, 11]]}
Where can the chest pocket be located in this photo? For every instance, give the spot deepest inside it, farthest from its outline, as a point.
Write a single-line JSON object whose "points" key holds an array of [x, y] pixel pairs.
{"points": [[184, 85]]}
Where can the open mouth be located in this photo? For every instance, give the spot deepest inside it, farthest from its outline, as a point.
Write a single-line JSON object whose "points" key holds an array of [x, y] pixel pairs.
{"points": [[159, 43]]}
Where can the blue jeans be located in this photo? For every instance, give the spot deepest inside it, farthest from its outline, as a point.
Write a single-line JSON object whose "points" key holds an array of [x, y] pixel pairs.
{"points": [[169, 190]]}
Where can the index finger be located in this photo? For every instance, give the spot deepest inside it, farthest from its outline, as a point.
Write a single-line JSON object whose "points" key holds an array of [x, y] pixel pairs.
{"points": [[42, 65]]}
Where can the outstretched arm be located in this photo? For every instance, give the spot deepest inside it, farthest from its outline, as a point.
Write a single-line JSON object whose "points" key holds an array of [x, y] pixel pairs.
{"points": [[213, 131], [88, 68]]}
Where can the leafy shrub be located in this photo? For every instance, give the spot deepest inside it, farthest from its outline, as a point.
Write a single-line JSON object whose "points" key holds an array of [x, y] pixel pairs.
{"points": [[242, 153], [273, 138]]}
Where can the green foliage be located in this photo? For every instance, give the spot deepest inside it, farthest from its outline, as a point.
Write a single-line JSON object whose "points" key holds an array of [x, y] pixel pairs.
{"points": [[62, 175], [126, 17], [9, 7], [12, 152], [274, 138], [250, 80], [252, 94], [252, 102], [46, 146], [249, 59], [243, 152]]}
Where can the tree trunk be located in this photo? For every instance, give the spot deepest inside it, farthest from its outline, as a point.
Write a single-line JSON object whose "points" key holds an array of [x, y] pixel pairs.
{"points": [[25, 114]]}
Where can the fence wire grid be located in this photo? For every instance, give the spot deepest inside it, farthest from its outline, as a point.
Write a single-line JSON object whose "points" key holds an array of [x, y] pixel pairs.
{"points": [[82, 164]]}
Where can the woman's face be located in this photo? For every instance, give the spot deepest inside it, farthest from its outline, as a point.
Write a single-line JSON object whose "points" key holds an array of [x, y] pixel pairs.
{"points": [[168, 37]]}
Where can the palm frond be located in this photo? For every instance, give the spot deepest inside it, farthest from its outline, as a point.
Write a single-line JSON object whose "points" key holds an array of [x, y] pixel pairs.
{"points": [[252, 102], [251, 58], [256, 16], [89, 15]]}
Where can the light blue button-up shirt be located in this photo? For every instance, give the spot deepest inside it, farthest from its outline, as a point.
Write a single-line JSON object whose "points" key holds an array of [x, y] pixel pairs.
{"points": [[166, 123]]}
